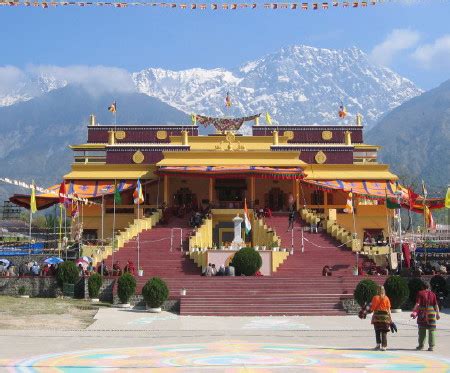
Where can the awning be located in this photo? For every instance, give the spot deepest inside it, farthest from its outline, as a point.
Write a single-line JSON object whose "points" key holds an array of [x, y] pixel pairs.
{"points": [[82, 188], [233, 172], [376, 189]]}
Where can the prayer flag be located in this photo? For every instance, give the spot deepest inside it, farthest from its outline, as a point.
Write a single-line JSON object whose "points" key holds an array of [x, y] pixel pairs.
{"points": [[228, 100], [248, 225], [412, 197], [117, 196], [74, 209], [268, 119], [113, 107], [447, 198], [137, 194], [429, 218], [33, 207], [62, 193], [349, 205], [194, 119], [342, 111]]}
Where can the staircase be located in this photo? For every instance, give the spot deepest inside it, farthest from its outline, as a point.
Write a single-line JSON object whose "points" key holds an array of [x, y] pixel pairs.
{"points": [[297, 288]]}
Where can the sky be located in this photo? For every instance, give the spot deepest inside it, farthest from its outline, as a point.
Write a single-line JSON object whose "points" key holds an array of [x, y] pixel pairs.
{"points": [[412, 38]]}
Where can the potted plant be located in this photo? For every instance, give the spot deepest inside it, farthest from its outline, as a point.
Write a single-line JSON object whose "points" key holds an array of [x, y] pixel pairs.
{"points": [[22, 292], [126, 287], [155, 293], [397, 290], [365, 291], [94, 285]]}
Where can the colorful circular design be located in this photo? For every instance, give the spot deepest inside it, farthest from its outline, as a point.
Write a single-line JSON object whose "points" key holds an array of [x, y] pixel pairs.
{"points": [[233, 355]]}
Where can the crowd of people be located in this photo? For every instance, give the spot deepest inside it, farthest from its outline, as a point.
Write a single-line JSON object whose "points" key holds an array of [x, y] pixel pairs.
{"points": [[31, 268], [211, 270], [116, 269]]}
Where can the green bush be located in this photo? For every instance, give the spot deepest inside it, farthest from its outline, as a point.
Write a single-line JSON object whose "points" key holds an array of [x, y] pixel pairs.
{"points": [[365, 291], [94, 284], [22, 290], [126, 287], [415, 285], [246, 261], [155, 292], [397, 290], [438, 285], [67, 273]]}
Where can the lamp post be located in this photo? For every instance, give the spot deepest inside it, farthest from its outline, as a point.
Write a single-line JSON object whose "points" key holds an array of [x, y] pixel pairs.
{"points": [[399, 217]]}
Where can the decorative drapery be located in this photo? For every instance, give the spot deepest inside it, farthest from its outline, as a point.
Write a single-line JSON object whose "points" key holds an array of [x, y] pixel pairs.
{"points": [[224, 124], [234, 171]]}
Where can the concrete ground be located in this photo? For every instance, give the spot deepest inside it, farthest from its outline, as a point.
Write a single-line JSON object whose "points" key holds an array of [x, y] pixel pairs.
{"points": [[133, 340]]}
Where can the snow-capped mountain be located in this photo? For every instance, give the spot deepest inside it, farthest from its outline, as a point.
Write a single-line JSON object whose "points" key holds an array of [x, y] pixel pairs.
{"points": [[297, 85]]}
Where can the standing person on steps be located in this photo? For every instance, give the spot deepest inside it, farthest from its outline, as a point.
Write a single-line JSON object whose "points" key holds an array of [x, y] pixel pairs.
{"points": [[291, 219], [427, 312], [381, 319]]}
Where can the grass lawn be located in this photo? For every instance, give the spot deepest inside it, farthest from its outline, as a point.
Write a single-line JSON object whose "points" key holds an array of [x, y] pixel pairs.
{"points": [[46, 313]]}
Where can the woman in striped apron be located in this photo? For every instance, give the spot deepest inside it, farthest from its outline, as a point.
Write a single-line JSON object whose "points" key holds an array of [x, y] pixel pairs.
{"points": [[427, 312], [381, 319]]}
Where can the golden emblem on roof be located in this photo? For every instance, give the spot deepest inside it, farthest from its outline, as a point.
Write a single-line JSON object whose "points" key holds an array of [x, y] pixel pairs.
{"points": [[138, 157], [320, 157], [327, 135], [161, 135], [120, 135], [289, 134]]}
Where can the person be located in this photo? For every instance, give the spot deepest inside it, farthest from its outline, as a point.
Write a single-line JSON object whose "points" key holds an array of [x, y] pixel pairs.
{"points": [[80, 270], [208, 270], [314, 227], [221, 271], [116, 269], [426, 310], [291, 220], [35, 269], [129, 267], [381, 319], [326, 271], [46, 270], [103, 269], [229, 271], [214, 270]]}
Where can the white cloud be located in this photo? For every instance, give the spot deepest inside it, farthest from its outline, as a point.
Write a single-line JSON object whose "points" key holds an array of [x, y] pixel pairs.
{"points": [[10, 78], [435, 54], [96, 79], [397, 41]]}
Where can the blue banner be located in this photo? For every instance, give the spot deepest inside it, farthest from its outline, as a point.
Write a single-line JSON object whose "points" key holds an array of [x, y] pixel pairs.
{"points": [[27, 249]]}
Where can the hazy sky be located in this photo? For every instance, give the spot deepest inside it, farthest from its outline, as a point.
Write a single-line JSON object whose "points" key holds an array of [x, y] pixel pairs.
{"points": [[411, 38]]}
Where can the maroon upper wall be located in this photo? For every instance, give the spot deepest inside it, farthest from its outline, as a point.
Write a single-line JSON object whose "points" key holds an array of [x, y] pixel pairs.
{"points": [[335, 155], [152, 155], [313, 134], [137, 134]]}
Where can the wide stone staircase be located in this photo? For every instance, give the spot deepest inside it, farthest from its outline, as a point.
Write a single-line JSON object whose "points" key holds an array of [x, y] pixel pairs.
{"points": [[297, 288]]}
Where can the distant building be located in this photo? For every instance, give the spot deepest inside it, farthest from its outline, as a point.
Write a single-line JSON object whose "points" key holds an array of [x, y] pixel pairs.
{"points": [[10, 211]]}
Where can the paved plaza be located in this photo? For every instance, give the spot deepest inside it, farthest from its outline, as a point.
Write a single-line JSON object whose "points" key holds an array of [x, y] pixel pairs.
{"points": [[133, 340]]}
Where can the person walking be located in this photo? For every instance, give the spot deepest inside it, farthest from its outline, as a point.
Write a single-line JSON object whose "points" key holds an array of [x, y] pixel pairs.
{"points": [[291, 220], [381, 319], [426, 311]]}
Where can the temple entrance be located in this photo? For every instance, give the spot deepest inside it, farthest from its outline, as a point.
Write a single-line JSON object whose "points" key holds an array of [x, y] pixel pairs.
{"points": [[185, 198], [276, 199], [231, 192]]}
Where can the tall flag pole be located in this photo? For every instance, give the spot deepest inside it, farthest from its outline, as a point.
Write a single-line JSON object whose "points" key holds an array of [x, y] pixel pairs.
{"points": [[113, 109], [62, 201], [33, 208], [138, 199], [425, 227]]}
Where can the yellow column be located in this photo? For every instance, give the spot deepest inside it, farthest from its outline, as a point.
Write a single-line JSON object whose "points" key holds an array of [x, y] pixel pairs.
{"points": [[211, 188], [275, 137], [166, 190], [297, 193], [325, 199], [252, 191]]}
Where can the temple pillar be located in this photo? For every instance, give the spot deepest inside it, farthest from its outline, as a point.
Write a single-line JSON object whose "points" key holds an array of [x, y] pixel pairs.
{"points": [[111, 138], [297, 193], [166, 190], [348, 138], [184, 138], [252, 191], [211, 189], [275, 137]]}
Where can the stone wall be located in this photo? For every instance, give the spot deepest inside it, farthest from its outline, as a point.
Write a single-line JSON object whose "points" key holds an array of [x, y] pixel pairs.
{"points": [[35, 286]]}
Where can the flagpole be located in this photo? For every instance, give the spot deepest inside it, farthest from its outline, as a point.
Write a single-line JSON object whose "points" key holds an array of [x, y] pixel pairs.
{"points": [[103, 220], [399, 212], [425, 225], [31, 219], [60, 229], [114, 224], [138, 244]]}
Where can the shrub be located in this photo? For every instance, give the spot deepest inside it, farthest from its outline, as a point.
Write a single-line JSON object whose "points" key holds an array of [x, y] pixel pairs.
{"points": [[438, 285], [22, 290], [415, 285], [365, 291], [246, 261], [67, 273], [94, 284], [126, 286], [155, 292], [397, 290]]}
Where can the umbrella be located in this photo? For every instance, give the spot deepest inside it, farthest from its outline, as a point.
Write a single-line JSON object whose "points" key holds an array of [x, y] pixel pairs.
{"points": [[4, 262], [87, 259], [53, 260], [83, 263]]}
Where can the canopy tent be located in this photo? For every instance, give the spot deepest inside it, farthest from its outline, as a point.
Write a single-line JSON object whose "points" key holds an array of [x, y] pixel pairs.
{"points": [[82, 188], [233, 171], [377, 189]]}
